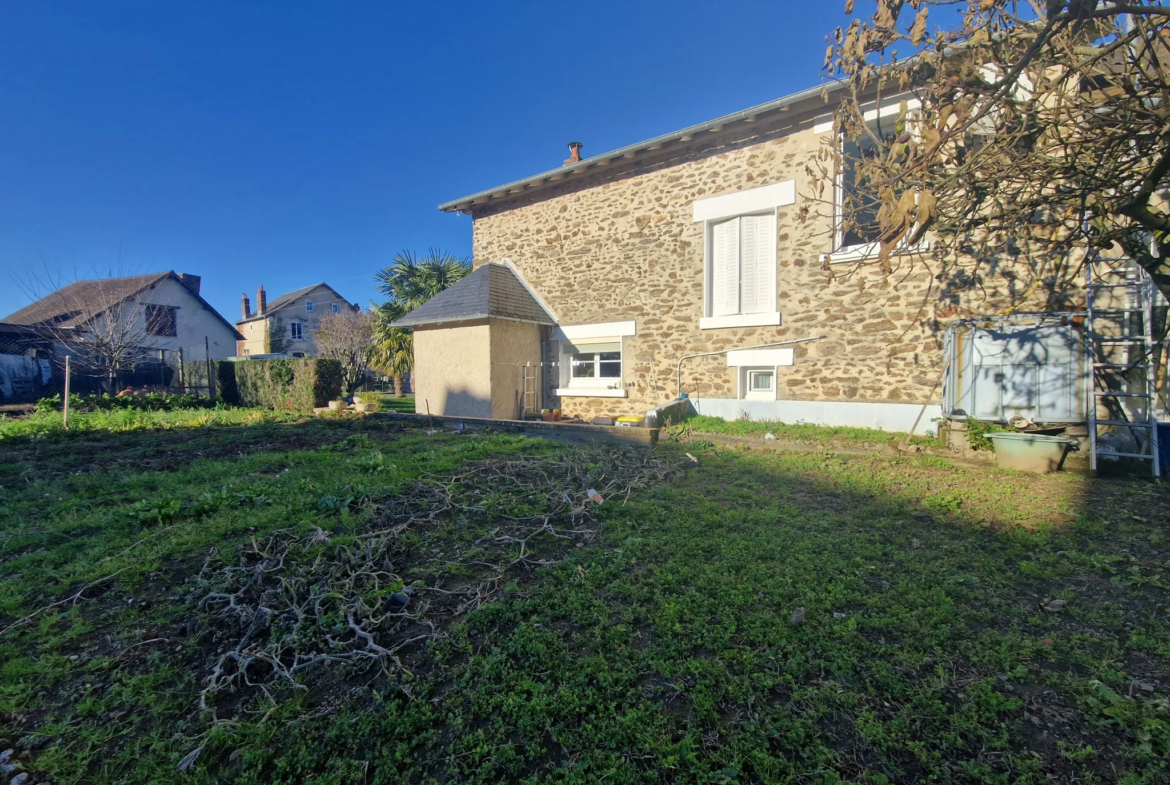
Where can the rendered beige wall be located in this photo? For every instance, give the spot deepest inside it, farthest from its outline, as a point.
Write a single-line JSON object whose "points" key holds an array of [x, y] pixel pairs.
{"points": [[622, 245], [513, 345], [452, 370]]}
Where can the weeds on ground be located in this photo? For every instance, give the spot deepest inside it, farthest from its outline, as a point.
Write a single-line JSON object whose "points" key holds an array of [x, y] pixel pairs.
{"points": [[42, 424], [700, 424]]}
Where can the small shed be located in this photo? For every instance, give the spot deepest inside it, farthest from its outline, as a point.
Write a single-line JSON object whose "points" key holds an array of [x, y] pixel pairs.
{"points": [[477, 346]]}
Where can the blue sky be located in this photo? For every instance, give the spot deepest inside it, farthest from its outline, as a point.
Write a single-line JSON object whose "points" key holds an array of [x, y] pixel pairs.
{"points": [[283, 143]]}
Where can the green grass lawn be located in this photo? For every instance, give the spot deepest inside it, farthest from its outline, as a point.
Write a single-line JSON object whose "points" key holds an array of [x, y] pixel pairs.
{"points": [[403, 404], [952, 625]]}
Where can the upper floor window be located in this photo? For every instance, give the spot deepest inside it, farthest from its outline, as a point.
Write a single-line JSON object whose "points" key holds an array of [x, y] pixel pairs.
{"points": [[740, 255], [741, 269], [336, 308], [309, 306], [857, 204], [160, 320], [297, 331], [857, 233]]}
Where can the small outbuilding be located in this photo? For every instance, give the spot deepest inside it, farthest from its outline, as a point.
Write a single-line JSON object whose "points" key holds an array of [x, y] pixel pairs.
{"points": [[477, 346]]}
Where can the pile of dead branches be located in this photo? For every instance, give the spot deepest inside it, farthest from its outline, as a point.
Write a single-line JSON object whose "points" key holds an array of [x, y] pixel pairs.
{"points": [[421, 557]]}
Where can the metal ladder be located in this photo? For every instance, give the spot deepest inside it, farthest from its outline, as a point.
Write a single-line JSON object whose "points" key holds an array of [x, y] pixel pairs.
{"points": [[1108, 279]]}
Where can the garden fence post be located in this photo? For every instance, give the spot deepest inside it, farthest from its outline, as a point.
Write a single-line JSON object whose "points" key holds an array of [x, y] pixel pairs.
{"points": [[65, 405], [210, 381], [182, 382]]}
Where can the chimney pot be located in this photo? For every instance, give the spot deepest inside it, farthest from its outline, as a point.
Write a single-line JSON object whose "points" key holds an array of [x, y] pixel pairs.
{"points": [[574, 153], [246, 304], [261, 301]]}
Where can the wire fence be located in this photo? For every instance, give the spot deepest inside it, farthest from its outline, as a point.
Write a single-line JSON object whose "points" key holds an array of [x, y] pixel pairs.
{"points": [[32, 367]]}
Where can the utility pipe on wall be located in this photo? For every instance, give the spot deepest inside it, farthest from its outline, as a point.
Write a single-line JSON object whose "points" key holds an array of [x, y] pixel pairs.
{"points": [[678, 380]]}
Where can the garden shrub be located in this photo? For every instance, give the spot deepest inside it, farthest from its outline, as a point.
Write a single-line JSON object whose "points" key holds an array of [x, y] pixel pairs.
{"points": [[285, 384]]}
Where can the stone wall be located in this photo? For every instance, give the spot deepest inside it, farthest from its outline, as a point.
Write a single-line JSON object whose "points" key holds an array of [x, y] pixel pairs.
{"points": [[621, 244]]}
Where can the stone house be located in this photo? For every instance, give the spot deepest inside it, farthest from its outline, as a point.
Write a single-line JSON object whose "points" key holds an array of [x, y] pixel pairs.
{"points": [[286, 325], [676, 265]]}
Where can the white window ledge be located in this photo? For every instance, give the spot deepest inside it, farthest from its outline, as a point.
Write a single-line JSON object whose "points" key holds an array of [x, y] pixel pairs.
{"points": [[740, 320], [859, 253], [585, 392], [580, 332]]}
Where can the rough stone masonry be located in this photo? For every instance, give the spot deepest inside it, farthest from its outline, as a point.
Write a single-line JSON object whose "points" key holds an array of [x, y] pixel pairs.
{"points": [[618, 242]]}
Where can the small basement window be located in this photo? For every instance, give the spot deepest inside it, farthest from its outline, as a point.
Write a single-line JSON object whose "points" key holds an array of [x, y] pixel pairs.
{"points": [[160, 320], [758, 383]]}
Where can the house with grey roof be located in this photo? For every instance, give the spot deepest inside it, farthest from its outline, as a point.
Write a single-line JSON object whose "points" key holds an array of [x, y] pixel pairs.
{"points": [[714, 263], [162, 311], [477, 346], [287, 324]]}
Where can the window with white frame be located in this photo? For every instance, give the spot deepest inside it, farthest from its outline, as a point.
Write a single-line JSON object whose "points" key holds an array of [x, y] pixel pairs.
{"points": [[741, 269], [309, 306], [863, 234], [336, 308], [297, 331], [859, 202], [595, 364], [758, 383]]}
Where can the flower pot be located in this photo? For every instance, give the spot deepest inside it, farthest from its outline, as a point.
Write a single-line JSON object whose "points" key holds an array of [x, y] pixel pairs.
{"points": [[556, 416], [546, 416], [336, 405], [365, 407]]}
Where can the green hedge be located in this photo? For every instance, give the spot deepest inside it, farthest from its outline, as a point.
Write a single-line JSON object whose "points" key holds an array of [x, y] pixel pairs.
{"points": [[298, 385]]}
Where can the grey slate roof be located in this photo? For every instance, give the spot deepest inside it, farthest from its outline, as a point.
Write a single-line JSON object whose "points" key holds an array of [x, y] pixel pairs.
{"points": [[810, 96], [491, 290], [285, 299]]}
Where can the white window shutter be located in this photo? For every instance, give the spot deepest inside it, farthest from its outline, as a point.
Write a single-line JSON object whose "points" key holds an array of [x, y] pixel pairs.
{"points": [[758, 263], [725, 268]]}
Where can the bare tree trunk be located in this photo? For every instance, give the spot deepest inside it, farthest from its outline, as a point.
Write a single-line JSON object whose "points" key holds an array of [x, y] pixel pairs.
{"points": [[398, 386]]}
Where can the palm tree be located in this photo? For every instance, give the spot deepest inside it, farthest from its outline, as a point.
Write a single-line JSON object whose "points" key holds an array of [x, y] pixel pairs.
{"points": [[393, 352], [412, 280], [408, 282]]}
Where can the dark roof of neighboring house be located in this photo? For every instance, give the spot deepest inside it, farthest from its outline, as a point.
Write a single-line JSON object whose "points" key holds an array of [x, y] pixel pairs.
{"points": [[287, 299], [491, 290], [80, 301], [577, 170]]}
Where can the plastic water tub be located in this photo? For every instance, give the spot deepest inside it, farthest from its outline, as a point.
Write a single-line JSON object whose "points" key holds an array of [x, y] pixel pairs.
{"points": [[1031, 452]]}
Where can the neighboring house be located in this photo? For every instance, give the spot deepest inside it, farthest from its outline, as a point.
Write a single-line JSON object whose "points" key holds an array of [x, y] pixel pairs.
{"points": [[161, 311], [286, 325], [691, 244]]}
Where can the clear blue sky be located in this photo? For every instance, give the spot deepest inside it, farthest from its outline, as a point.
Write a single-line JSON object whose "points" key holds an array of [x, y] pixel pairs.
{"points": [[283, 143]]}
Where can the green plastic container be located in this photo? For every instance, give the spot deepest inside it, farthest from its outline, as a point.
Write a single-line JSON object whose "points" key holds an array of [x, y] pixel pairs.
{"points": [[1031, 452]]}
